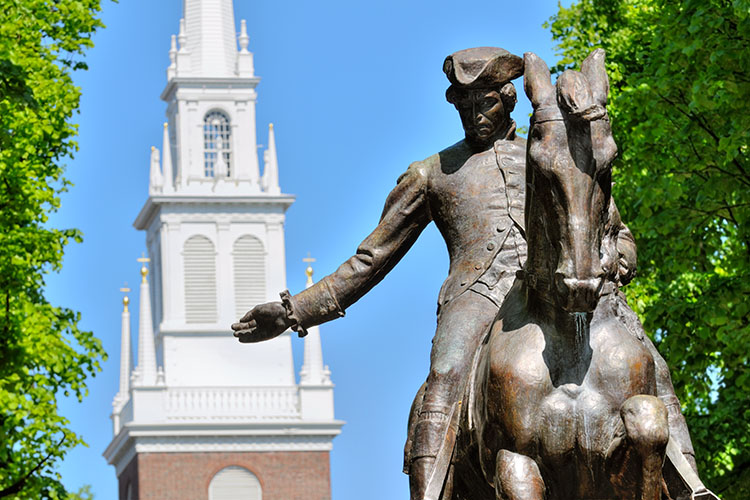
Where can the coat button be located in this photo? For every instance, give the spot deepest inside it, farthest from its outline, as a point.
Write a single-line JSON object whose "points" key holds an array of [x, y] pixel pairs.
{"points": [[478, 267], [500, 229], [463, 283], [491, 245]]}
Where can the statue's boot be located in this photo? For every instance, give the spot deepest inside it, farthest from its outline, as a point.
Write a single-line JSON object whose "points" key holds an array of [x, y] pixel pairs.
{"points": [[428, 436], [419, 473]]}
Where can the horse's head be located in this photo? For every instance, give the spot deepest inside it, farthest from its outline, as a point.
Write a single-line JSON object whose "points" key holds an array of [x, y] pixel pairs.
{"points": [[569, 157]]}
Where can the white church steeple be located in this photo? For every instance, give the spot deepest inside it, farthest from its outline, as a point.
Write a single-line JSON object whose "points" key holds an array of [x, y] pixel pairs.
{"points": [[214, 230]]}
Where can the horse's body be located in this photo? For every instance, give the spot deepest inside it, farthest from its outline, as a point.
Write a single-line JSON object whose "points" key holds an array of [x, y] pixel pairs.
{"points": [[562, 402], [564, 412]]}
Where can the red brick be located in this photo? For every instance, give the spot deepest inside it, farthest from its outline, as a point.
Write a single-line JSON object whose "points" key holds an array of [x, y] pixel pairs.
{"points": [[299, 475]]}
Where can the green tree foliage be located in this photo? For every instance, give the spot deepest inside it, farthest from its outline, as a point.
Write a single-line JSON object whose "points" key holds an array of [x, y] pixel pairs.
{"points": [[43, 353], [83, 493], [680, 88]]}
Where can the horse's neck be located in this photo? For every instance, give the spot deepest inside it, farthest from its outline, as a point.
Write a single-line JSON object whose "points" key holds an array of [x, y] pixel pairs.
{"points": [[567, 336], [541, 255]]}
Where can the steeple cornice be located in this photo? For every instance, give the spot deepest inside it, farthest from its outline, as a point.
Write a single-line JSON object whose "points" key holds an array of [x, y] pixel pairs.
{"points": [[200, 82]]}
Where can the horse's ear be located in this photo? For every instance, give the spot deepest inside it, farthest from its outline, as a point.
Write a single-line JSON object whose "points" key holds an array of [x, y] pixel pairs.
{"points": [[536, 79], [596, 74]]}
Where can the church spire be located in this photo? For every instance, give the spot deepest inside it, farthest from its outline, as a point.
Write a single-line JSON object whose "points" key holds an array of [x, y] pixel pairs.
{"points": [[146, 371], [210, 37], [270, 179]]}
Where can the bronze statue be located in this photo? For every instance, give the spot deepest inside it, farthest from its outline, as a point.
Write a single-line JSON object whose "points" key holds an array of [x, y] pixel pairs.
{"points": [[474, 192], [563, 399]]}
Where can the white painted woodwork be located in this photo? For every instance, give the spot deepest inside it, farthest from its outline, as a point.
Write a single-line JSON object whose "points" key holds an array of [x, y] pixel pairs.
{"points": [[199, 261], [249, 268], [215, 238]]}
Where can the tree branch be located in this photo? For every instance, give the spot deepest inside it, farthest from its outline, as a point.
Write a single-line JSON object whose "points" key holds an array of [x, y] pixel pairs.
{"points": [[16, 487]]}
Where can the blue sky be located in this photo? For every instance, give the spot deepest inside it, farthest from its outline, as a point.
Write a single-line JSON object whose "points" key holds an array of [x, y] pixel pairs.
{"points": [[356, 93]]}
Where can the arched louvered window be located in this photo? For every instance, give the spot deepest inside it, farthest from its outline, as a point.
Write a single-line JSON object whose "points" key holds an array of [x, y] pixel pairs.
{"points": [[200, 280], [249, 274], [234, 483], [217, 144]]}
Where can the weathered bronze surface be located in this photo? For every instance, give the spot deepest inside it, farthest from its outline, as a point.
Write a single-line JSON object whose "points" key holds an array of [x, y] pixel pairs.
{"points": [[567, 399]]}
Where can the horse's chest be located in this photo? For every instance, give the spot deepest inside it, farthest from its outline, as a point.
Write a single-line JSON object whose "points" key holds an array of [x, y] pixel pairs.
{"points": [[553, 406]]}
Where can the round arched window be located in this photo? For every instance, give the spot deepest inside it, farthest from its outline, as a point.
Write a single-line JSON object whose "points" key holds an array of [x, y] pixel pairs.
{"points": [[217, 145], [234, 483]]}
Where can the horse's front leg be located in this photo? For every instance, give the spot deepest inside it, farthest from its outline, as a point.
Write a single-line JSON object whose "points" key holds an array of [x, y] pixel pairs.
{"points": [[637, 467], [517, 477]]}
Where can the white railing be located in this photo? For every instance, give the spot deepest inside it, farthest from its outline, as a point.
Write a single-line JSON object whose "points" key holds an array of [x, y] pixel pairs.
{"points": [[236, 403]]}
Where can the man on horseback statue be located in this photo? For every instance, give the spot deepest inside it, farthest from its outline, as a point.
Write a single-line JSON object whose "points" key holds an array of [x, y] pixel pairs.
{"points": [[474, 191]]}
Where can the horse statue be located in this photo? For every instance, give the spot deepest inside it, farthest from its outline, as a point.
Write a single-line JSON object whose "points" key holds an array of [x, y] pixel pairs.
{"points": [[562, 400]]}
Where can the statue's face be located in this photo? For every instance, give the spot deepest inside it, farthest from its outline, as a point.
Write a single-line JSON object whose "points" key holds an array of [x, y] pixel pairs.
{"points": [[482, 115]]}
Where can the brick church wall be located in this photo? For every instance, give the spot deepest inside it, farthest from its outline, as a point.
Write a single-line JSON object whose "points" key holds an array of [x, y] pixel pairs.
{"points": [[299, 475]]}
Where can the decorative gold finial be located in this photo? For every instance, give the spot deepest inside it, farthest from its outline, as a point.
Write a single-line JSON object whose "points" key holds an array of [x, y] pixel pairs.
{"points": [[165, 124], [309, 270], [153, 148], [125, 299], [144, 269], [270, 126]]}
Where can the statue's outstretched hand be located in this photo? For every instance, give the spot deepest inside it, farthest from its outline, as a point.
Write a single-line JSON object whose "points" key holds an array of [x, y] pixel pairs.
{"points": [[263, 322]]}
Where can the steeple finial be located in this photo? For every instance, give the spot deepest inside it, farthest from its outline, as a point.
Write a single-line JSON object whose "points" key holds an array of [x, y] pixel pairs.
{"points": [[182, 36], [144, 270], [146, 349], [125, 299], [243, 38], [167, 161], [172, 69], [244, 57], [270, 179], [309, 270]]}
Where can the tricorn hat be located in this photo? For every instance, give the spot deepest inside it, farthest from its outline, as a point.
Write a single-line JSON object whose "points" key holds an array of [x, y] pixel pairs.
{"points": [[482, 67]]}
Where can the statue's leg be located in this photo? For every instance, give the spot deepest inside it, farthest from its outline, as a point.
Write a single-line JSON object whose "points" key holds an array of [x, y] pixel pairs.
{"points": [[461, 326], [414, 411], [638, 473], [517, 477]]}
